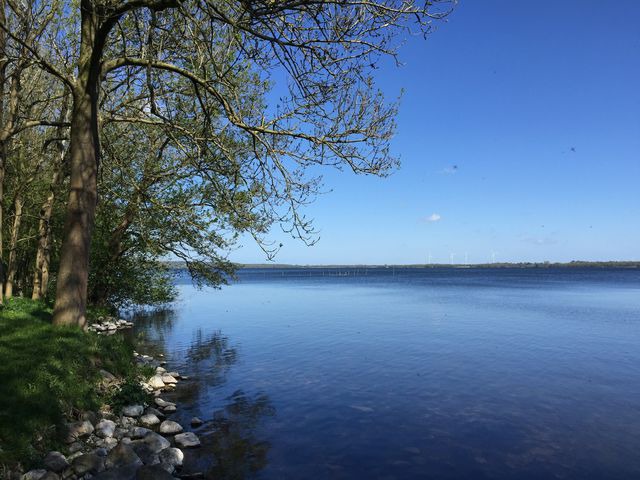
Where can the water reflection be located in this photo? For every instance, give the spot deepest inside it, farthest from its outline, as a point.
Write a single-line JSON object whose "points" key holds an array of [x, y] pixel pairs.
{"points": [[232, 445]]}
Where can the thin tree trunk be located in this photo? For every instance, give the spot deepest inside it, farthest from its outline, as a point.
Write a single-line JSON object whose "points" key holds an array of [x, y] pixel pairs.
{"points": [[3, 149], [13, 243], [71, 294], [43, 254]]}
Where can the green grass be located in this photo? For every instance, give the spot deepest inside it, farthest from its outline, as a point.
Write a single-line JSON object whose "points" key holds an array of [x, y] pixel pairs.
{"points": [[48, 372]]}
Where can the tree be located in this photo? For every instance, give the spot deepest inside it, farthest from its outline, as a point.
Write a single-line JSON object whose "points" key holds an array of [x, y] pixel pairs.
{"points": [[178, 65]]}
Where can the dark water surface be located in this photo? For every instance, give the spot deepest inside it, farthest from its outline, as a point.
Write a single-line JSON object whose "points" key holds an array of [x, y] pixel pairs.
{"points": [[403, 374]]}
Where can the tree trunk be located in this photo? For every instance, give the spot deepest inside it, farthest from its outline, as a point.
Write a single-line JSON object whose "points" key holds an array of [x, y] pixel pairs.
{"points": [[73, 274], [3, 149], [43, 254], [13, 243]]}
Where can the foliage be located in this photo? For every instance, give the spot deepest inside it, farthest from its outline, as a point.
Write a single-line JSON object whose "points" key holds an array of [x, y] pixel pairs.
{"points": [[128, 393], [47, 372]]}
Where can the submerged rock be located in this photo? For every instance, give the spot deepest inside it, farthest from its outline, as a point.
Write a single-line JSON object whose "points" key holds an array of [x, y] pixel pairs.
{"points": [[196, 422], [187, 440], [153, 472]]}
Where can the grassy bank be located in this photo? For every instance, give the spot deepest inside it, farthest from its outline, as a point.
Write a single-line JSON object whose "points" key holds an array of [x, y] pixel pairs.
{"points": [[48, 372]]}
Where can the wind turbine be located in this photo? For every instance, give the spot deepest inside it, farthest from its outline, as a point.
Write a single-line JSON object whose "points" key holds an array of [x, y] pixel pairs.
{"points": [[452, 255]]}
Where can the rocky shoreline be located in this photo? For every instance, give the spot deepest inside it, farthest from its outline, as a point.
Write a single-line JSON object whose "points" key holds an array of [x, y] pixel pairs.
{"points": [[138, 442]]}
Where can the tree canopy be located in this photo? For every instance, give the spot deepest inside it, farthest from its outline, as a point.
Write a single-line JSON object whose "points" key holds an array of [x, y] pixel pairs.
{"points": [[176, 125]]}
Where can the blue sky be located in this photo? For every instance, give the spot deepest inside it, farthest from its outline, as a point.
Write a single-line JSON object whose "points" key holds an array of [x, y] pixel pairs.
{"points": [[538, 107]]}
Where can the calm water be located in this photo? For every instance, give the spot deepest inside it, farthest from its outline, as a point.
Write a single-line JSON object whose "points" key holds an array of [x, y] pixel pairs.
{"points": [[403, 374]]}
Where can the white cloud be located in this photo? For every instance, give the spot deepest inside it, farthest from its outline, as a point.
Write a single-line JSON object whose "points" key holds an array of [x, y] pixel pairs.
{"points": [[434, 217]]}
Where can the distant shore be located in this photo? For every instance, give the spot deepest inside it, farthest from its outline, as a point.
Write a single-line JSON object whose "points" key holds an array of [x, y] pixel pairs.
{"points": [[573, 264]]}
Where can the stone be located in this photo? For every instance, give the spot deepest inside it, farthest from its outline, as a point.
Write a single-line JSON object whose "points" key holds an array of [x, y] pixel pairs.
{"points": [[171, 457], [161, 370], [155, 411], [107, 376], [153, 472], [127, 422], [75, 447], [170, 409], [174, 374], [88, 463], [109, 443], [169, 427], [168, 379], [138, 432], [154, 441], [156, 382], [126, 472], [55, 461], [196, 422], [105, 428], [162, 403], [187, 440], [122, 455], [34, 474], [149, 420], [132, 410], [50, 476], [101, 451], [78, 430]]}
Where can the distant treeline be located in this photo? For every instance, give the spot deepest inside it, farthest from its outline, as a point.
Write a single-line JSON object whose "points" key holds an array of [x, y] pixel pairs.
{"points": [[572, 264]]}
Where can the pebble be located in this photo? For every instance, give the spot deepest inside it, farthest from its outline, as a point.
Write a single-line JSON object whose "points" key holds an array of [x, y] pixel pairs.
{"points": [[149, 420]]}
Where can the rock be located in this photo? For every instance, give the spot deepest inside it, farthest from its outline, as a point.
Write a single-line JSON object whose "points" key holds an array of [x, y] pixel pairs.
{"points": [[160, 370], [163, 403], [174, 374], [93, 417], [154, 411], [122, 455], [139, 432], [127, 422], [101, 452], [153, 472], [109, 443], [105, 428], [55, 461], [88, 463], [78, 430], [171, 457], [126, 472], [132, 410], [34, 474], [75, 447], [196, 422], [149, 420], [156, 382], [50, 476], [169, 409], [169, 427], [107, 376], [187, 440], [168, 379], [154, 441]]}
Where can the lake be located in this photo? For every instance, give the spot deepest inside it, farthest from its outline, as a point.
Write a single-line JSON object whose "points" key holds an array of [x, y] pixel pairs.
{"points": [[409, 373]]}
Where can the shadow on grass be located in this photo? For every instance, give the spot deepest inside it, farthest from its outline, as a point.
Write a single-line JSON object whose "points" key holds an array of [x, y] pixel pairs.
{"points": [[45, 373]]}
